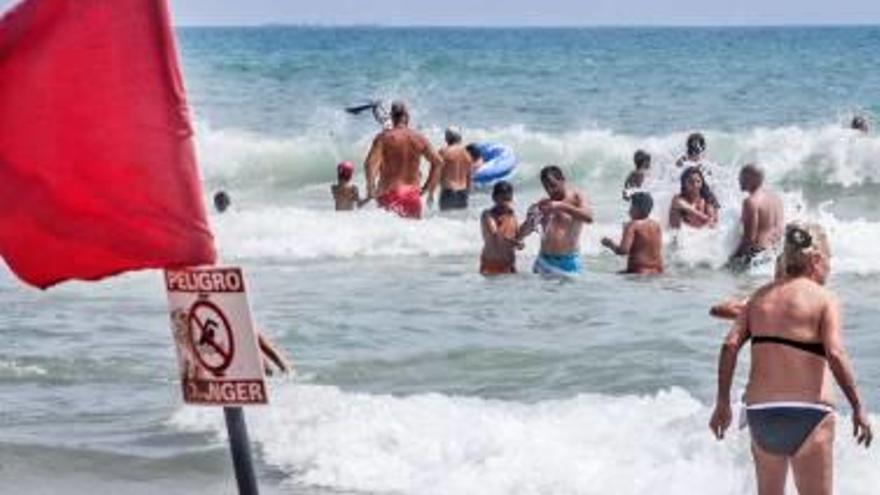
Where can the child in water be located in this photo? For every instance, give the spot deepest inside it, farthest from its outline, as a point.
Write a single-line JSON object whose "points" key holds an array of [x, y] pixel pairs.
{"points": [[501, 233], [642, 239], [636, 179], [345, 194]]}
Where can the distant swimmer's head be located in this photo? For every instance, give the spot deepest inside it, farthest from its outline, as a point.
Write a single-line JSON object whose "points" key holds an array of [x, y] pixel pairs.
{"points": [[859, 123], [399, 113], [806, 252], [344, 171], [696, 145], [751, 178], [642, 159], [473, 150], [502, 192], [222, 201], [452, 135], [553, 181], [641, 205]]}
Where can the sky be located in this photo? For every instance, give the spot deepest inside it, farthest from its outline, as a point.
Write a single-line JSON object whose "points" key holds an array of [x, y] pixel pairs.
{"points": [[521, 12]]}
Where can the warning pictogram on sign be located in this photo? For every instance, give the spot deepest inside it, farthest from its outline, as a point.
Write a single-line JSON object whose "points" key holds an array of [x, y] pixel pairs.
{"points": [[211, 336], [216, 344]]}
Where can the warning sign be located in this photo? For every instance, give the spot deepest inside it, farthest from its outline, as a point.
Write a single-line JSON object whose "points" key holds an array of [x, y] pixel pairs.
{"points": [[216, 345]]}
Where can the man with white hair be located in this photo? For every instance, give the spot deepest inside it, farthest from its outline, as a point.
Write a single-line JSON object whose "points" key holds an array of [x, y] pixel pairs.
{"points": [[762, 221], [456, 175]]}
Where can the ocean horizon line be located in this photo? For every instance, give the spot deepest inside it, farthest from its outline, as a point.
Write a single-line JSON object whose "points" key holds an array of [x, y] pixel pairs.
{"points": [[561, 27]]}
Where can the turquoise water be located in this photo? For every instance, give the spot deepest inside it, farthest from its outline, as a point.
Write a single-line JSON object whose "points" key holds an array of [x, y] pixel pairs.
{"points": [[416, 375], [633, 81]]}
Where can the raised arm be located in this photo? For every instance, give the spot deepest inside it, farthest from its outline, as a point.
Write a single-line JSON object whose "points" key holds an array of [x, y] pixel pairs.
{"points": [[489, 227], [579, 209], [372, 164], [831, 328], [680, 205], [530, 224], [733, 342], [712, 214], [626, 241]]}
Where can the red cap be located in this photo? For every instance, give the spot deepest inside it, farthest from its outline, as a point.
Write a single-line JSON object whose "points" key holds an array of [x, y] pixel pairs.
{"points": [[345, 170]]}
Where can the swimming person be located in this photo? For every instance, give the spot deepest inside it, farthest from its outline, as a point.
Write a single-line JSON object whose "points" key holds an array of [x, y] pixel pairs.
{"points": [[642, 239], [392, 165], [222, 202], [456, 176], [635, 181], [762, 221], [501, 233], [860, 124], [561, 215], [695, 153], [795, 329], [345, 194], [695, 204]]}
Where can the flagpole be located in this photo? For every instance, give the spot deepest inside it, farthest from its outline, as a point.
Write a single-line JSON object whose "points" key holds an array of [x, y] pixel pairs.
{"points": [[239, 445]]}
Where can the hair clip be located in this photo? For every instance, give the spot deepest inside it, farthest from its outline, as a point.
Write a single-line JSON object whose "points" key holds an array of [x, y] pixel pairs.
{"points": [[799, 238]]}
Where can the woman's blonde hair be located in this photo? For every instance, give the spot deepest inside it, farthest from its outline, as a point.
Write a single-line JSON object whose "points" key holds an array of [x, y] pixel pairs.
{"points": [[802, 240]]}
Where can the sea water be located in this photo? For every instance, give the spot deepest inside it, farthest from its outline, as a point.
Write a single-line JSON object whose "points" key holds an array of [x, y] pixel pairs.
{"points": [[415, 375]]}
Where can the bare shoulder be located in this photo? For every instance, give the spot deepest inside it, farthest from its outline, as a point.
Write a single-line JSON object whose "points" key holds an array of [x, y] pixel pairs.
{"points": [[776, 198], [488, 218], [380, 138], [826, 295], [762, 291], [751, 201], [418, 138]]}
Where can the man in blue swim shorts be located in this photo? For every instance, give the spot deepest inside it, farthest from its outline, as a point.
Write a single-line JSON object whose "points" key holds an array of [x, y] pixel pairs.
{"points": [[561, 215]]}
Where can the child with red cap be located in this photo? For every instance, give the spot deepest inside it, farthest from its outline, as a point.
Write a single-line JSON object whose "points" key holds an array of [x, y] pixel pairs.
{"points": [[344, 192]]}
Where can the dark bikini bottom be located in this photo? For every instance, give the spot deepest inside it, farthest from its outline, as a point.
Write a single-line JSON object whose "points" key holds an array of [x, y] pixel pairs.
{"points": [[782, 428]]}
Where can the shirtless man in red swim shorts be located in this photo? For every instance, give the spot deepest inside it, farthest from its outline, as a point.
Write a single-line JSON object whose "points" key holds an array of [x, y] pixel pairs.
{"points": [[392, 166]]}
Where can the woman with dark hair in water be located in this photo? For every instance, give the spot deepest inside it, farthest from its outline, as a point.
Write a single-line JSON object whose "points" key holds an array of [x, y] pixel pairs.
{"points": [[695, 205], [794, 324]]}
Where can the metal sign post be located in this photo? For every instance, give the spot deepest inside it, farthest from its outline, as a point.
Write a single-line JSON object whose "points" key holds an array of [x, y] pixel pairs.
{"points": [[218, 354], [240, 446]]}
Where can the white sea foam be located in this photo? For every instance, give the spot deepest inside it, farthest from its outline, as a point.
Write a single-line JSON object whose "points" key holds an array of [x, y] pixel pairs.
{"points": [[298, 234], [816, 155], [596, 159], [14, 369], [437, 444]]}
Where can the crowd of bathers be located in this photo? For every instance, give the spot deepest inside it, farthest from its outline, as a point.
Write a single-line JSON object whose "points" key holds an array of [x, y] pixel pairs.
{"points": [[394, 182], [794, 323]]}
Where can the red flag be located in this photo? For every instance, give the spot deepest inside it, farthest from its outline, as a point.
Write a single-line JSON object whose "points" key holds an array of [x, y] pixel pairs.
{"points": [[97, 165]]}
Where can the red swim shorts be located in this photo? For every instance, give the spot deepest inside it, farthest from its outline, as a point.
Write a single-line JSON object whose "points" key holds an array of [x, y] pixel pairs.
{"points": [[406, 201]]}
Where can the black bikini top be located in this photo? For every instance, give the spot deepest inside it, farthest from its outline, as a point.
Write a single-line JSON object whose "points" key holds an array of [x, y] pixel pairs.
{"points": [[816, 348]]}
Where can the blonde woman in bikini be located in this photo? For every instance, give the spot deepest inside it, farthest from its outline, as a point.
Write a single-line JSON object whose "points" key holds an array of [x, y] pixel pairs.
{"points": [[795, 328]]}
